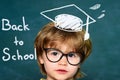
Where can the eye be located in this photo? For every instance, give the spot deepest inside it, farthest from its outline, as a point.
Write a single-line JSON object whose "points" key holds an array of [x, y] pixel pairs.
{"points": [[72, 55], [54, 53]]}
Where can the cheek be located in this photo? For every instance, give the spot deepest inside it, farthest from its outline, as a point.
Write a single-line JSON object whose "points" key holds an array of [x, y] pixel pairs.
{"points": [[49, 66], [73, 69]]}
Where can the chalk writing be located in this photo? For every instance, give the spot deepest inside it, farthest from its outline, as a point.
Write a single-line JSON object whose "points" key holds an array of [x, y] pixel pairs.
{"points": [[6, 26], [7, 55], [18, 42]]}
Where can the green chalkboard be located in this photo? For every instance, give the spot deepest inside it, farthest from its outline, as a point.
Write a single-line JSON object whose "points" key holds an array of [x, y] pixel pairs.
{"points": [[20, 21]]}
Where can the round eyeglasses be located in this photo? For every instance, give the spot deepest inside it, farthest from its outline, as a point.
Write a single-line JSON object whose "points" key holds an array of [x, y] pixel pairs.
{"points": [[55, 55]]}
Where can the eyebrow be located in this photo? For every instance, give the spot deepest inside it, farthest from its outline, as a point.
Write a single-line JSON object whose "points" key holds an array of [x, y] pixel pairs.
{"points": [[55, 45], [61, 50]]}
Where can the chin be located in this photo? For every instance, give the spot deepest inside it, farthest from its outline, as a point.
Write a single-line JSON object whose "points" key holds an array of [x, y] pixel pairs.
{"points": [[62, 78]]}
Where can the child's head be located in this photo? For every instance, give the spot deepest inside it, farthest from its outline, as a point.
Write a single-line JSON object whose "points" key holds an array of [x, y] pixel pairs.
{"points": [[70, 48]]}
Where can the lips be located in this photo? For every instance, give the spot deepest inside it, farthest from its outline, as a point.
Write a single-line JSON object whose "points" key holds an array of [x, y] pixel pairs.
{"points": [[61, 71]]}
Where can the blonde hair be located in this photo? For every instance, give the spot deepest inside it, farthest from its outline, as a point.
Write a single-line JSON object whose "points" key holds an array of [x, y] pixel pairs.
{"points": [[49, 34]]}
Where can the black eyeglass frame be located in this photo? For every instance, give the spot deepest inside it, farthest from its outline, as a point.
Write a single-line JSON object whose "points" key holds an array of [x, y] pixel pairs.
{"points": [[46, 49]]}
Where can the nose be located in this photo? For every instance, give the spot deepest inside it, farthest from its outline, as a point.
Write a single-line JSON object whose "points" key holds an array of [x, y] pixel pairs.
{"points": [[63, 61]]}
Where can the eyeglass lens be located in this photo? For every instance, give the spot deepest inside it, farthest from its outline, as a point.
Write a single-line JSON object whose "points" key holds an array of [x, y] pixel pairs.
{"points": [[54, 55]]}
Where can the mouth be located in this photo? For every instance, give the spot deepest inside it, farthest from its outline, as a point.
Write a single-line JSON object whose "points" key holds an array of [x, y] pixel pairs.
{"points": [[61, 71]]}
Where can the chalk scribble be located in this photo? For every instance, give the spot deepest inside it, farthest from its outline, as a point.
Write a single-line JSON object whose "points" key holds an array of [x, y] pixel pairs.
{"points": [[95, 7], [101, 16]]}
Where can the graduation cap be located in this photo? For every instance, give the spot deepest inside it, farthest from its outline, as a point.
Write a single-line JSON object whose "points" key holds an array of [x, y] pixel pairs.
{"points": [[69, 18]]}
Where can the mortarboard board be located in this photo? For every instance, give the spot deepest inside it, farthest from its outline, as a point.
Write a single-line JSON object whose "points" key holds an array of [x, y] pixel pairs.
{"points": [[69, 18]]}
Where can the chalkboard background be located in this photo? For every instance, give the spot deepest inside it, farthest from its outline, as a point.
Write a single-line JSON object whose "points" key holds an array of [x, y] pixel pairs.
{"points": [[103, 63]]}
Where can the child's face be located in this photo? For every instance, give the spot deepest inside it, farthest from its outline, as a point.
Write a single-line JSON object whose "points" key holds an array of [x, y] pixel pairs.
{"points": [[60, 70]]}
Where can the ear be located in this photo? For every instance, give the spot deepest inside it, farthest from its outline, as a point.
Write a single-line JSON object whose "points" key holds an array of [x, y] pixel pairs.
{"points": [[41, 60]]}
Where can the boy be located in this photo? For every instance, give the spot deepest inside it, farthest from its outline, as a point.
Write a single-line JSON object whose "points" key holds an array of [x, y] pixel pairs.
{"points": [[60, 53]]}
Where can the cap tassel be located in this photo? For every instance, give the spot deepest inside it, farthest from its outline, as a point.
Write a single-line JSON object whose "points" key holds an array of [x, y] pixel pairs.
{"points": [[87, 35]]}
